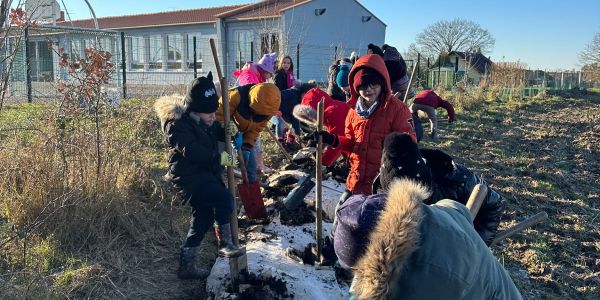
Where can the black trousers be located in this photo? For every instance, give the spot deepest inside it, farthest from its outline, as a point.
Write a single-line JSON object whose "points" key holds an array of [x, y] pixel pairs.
{"points": [[211, 203]]}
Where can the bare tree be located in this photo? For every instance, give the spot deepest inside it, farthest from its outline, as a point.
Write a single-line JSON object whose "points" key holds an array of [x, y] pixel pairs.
{"points": [[455, 35], [590, 59], [591, 53]]}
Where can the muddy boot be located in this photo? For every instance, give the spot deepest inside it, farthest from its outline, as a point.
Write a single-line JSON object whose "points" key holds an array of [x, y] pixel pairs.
{"points": [[226, 246], [188, 269]]}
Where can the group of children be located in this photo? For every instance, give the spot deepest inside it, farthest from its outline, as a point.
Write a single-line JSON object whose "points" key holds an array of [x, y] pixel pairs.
{"points": [[395, 192]]}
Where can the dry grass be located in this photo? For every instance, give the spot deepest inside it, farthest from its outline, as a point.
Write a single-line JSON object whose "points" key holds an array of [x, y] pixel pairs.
{"points": [[69, 229]]}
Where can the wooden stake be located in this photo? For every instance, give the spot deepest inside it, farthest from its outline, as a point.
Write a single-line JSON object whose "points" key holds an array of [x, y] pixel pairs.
{"points": [[476, 199], [234, 263], [285, 153], [537, 218], [412, 74], [319, 183]]}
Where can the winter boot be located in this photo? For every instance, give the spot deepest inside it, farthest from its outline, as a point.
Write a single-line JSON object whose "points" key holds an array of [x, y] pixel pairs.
{"points": [[226, 246], [188, 269]]}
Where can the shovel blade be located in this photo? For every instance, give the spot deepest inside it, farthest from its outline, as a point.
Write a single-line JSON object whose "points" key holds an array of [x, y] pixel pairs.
{"points": [[252, 200], [297, 195]]}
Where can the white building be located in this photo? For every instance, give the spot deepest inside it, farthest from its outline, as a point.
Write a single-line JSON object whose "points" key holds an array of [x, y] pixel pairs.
{"points": [[162, 42]]}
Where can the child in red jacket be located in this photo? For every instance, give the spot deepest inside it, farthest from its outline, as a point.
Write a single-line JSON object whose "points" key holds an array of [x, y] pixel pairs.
{"points": [[334, 113], [428, 101]]}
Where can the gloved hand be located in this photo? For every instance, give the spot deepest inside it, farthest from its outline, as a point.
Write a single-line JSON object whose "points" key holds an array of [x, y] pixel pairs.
{"points": [[232, 128], [237, 140], [328, 138], [227, 160]]}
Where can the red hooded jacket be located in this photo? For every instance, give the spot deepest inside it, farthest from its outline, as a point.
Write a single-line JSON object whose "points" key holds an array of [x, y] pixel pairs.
{"points": [[430, 98], [334, 114], [363, 138]]}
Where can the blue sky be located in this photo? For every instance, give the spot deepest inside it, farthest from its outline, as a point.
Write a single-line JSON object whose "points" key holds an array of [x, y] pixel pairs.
{"points": [[541, 33]]}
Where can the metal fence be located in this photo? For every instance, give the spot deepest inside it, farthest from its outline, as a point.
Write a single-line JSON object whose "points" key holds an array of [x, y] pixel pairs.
{"points": [[154, 65], [146, 66], [32, 58]]}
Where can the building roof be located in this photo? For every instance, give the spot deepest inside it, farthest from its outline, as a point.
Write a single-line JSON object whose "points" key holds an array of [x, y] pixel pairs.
{"points": [[476, 60], [262, 9], [178, 17]]}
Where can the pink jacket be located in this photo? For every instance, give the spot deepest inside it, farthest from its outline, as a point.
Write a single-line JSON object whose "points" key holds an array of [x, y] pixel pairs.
{"points": [[248, 74]]}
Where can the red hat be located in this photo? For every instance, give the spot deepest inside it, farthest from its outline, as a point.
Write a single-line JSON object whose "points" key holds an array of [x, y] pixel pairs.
{"points": [[366, 76]]}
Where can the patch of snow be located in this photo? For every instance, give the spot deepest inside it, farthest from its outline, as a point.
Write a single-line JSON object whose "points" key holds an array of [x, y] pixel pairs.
{"points": [[332, 190], [268, 259]]}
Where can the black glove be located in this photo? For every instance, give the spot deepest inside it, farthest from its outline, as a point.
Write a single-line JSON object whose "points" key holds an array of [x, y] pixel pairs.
{"points": [[328, 138]]}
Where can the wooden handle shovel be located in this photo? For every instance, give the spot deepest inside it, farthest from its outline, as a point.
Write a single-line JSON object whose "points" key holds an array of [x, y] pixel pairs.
{"points": [[319, 183], [237, 262]]}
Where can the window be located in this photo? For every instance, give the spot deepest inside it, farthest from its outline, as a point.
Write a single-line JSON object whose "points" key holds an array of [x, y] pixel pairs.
{"points": [[175, 51], [243, 47], [156, 52], [269, 43], [107, 44], [90, 43], [76, 49], [138, 52], [190, 58]]}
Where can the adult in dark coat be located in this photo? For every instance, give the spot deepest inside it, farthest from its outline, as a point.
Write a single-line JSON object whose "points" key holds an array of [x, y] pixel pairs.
{"points": [[195, 168], [448, 180]]}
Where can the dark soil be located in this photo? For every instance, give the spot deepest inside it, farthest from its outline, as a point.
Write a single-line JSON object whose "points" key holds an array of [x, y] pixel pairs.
{"points": [[298, 216]]}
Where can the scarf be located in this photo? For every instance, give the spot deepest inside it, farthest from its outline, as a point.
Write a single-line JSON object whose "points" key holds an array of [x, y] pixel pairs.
{"points": [[290, 78], [361, 109]]}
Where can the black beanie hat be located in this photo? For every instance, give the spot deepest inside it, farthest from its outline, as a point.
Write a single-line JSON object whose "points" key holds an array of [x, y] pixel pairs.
{"points": [[401, 158], [202, 95], [374, 49]]}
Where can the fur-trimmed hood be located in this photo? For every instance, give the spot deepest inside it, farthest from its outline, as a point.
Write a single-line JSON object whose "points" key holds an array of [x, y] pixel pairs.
{"points": [[169, 108], [334, 111], [393, 241]]}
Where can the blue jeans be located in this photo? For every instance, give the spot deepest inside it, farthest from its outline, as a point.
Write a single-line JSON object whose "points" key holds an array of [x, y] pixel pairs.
{"points": [[251, 167]]}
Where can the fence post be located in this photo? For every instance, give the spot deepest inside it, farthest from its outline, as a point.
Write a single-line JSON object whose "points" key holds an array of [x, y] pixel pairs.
{"points": [[418, 69], [27, 64], [439, 69], [455, 69], [123, 65], [298, 61], [544, 82], [562, 80], [579, 79], [428, 72], [251, 51], [195, 59]]}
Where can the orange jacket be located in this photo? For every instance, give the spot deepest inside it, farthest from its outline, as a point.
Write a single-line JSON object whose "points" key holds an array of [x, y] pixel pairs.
{"points": [[251, 107], [363, 138]]}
